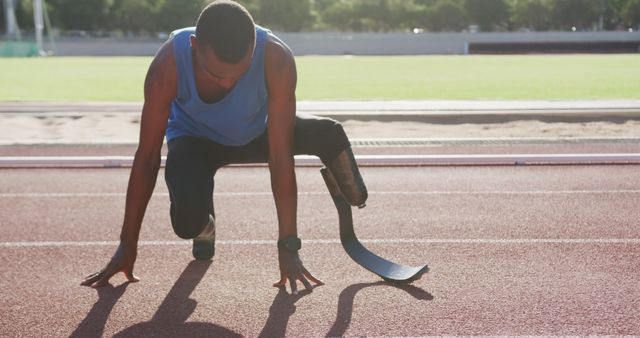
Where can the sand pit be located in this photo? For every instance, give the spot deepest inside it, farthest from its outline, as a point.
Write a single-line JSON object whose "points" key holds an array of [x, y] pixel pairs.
{"points": [[20, 128]]}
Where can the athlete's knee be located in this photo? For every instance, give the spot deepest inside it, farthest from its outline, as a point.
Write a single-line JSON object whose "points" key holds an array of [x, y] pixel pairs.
{"points": [[314, 129], [325, 138], [188, 221], [334, 131]]}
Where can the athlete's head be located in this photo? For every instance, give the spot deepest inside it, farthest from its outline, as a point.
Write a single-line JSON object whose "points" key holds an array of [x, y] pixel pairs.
{"points": [[224, 41], [227, 28]]}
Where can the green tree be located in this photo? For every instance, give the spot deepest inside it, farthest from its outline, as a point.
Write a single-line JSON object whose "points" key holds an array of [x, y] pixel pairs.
{"points": [[287, 15], [532, 14], [446, 16], [345, 15], [613, 17], [488, 14], [318, 7], [427, 3], [383, 15], [631, 14], [174, 14], [582, 14], [340, 15], [3, 23], [253, 6], [83, 14], [375, 15], [322, 5], [404, 14], [135, 15], [23, 10]]}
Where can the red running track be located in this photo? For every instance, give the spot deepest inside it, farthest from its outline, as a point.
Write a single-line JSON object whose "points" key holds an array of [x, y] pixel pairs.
{"points": [[513, 251]]}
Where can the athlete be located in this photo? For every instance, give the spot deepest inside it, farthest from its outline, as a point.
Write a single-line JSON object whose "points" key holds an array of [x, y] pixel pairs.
{"points": [[224, 92]]}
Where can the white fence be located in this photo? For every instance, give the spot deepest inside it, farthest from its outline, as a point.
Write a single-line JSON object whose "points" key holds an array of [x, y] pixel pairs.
{"points": [[355, 43]]}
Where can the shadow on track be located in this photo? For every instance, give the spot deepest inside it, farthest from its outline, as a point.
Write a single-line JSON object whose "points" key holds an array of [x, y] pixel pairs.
{"points": [[93, 324], [281, 309], [345, 303], [171, 316]]}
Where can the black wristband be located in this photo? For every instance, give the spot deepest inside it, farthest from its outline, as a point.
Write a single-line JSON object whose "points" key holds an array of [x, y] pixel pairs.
{"points": [[290, 243]]}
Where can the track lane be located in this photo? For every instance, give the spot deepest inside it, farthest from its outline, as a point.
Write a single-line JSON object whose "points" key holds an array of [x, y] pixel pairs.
{"points": [[473, 288], [404, 203]]}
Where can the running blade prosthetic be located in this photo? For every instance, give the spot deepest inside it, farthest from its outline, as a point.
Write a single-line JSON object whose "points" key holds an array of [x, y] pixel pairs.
{"points": [[387, 270]]}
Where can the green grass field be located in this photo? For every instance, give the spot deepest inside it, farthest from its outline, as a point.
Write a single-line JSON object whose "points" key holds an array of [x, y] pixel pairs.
{"points": [[520, 77]]}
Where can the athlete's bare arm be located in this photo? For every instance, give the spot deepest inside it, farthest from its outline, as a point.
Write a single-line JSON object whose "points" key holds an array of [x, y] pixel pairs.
{"points": [[281, 77], [160, 89]]}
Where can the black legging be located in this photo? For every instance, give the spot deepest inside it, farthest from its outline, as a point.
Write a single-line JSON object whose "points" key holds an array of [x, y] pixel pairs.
{"points": [[192, 163]]}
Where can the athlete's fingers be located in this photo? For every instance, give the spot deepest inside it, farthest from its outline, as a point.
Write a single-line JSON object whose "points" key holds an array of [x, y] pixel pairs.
{"points": [[282, 281], [316, 281], [92, 275], [90, 279], [100, 283], [104, 280], [306, 283], [294, 285], [131, 277]]}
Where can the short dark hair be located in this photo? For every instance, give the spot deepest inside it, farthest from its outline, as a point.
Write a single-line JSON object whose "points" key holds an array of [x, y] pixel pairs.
{"points": [[227, 28]]}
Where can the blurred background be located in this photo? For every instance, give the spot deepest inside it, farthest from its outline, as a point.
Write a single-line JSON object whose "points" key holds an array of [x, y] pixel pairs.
{"points": [[64, 22]]}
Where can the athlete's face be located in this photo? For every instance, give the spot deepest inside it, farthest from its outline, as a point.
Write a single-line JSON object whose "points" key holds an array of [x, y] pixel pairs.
{"points": [[212, 68]]}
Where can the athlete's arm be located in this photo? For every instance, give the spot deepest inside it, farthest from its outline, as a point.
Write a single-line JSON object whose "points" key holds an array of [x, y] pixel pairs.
{"points": [[160, 89], [280, 74], [281, 77]]}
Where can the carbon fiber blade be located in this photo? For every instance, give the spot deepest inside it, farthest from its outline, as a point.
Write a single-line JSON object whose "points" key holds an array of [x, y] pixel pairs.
{"points": [[386, 269]]}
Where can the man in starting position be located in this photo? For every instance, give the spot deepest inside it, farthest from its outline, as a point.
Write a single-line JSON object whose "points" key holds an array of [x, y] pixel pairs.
{"points": [[224, 92]]}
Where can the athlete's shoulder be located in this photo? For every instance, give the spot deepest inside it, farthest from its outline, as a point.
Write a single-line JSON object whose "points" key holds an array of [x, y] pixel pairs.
{"points": [[164, 58], [277, 53], [162, 74], [280, 71]]}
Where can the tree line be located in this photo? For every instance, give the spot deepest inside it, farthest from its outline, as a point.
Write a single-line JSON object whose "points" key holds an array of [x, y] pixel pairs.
{"points": [[140, 16]]}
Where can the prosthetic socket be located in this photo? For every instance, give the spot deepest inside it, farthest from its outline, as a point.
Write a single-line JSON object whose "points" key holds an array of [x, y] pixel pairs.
{"points": [[344, 170]]}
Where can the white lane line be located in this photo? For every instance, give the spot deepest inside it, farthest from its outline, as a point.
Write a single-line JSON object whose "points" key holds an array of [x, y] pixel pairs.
{"points": [[65, 194], [517, 241], [363, 160], [263, 193]]}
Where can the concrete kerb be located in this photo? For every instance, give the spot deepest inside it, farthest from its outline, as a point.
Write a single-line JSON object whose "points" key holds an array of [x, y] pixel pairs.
{"points": [[8, 162], [441, 112]]}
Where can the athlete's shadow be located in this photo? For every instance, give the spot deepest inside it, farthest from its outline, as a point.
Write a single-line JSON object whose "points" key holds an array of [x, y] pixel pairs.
{"points": [[281, 309], [345, 303], [93, 324], [170, 320]]}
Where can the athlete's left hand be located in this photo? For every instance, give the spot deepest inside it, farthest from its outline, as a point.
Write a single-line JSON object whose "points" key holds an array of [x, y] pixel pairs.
{"points": [[291, 269]]}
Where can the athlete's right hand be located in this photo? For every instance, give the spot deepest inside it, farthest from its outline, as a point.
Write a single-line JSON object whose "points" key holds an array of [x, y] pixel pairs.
{"points": [[122, 261]]}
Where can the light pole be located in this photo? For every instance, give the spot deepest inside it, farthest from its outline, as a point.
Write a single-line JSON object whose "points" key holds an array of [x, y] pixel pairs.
{"points": [[10, 19], [38, 21]]}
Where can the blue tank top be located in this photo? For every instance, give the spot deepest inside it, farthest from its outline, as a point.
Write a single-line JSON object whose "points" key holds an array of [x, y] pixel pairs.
{"points": [[236, 119]]}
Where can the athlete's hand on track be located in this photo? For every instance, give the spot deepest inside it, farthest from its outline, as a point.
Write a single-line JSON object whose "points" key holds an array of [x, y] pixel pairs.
{"points": [[122, 261], [291, 269]]}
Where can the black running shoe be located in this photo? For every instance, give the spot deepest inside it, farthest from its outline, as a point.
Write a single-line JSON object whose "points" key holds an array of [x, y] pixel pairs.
{"points": [[204, 246]]}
